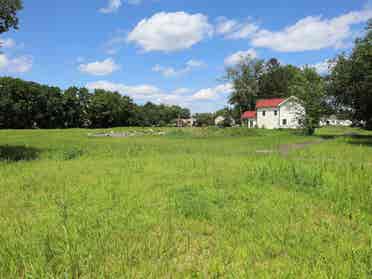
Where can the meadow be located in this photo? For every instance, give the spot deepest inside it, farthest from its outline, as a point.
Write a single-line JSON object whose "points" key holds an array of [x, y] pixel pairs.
{"points": [[192, 203]]}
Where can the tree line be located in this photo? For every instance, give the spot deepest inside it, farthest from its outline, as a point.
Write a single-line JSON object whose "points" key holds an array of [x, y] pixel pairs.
{"points": [[25, 105]]}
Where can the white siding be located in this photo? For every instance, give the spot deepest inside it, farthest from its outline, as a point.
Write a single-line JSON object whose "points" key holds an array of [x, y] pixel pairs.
{"points": [[269, 120], [291, 112], [288, 116], [250, 122]]}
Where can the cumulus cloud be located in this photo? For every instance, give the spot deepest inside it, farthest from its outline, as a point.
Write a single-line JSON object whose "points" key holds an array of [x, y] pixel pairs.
{"points": [[20, 64], [138, 91], [172, 72], [170, 31], [99, 68], [311, 33], [212, 93], [112, 6], [239, 56]]}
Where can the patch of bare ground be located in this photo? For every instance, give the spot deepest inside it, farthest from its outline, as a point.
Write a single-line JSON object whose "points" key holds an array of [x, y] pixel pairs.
{"points": [[285, 149]]}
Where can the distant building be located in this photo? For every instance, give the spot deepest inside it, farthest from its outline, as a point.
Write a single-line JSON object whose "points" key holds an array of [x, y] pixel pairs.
{"points": [[221, 120], [333, 120], [186, 122], [285, 113]]}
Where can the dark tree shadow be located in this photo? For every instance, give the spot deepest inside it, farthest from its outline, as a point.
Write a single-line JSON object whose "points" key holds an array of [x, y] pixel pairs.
{"points": [[352, 138], [365, 140], [18, 153]]}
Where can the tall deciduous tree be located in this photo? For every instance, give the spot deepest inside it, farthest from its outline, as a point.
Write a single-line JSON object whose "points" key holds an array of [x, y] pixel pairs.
{"points": [[276, 79], [309, 87], [8, 14], [245, 80], [350, 81]]}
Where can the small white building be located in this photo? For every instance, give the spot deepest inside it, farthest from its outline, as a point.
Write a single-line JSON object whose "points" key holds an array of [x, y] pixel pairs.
{"points": [[219, 120], [186, 122], [333, 120], [278, 113]]}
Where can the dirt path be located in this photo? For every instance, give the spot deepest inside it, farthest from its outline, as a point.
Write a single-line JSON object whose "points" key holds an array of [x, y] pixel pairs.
{"points": [[285, 149]]}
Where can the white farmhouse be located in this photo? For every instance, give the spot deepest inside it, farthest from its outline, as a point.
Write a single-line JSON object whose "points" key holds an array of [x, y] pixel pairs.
{"points": [[277, 113]]}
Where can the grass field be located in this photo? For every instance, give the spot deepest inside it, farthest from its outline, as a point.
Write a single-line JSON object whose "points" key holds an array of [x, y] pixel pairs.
{"points": [[193, 203]]}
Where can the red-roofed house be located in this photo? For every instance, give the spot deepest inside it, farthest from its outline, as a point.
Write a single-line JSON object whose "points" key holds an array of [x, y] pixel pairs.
{"points": [[249, 119], [277, 113]]}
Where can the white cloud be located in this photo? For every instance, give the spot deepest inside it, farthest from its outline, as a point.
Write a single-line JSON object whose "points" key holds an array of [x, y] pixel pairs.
{"points": [[134, 91], [112, 6], [7, 43], [311, 33], [232, 29], [212, 93], [239, 56], [170, 31], [172, 72], [20, 64], [99, 68], [324, 67]]}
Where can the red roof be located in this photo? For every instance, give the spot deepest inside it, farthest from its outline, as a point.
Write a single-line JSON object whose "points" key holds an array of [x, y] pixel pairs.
{"points": [[249, 114], [269, 103]]}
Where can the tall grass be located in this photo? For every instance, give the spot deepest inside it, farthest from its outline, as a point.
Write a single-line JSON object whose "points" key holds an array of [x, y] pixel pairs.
{"points": [[193, 203]]}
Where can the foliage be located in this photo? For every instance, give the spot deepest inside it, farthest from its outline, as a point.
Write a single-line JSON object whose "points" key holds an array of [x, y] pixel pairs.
{"points": [[244, 77], [309, 88], [8, 14], [350, 82], [276, 79], [204, 119], [31, 105]]}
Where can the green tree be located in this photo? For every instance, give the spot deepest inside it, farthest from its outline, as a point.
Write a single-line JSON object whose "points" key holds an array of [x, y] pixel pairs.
{"points": [[75, 107], [204, 119], [350, 82], [105, 109], [8, 14], [309, 87], [245, 80], [276, 79]]}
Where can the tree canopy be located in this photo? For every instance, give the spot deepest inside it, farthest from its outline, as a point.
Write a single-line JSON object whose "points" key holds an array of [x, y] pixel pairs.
{"points": [[350, 82], [8, 14]]}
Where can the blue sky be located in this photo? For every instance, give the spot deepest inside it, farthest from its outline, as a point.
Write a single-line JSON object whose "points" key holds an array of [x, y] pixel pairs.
{"points": [[172, 51]]}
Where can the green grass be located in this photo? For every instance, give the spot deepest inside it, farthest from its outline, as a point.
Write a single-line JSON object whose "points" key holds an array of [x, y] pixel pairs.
{"points": [[194, 203]]}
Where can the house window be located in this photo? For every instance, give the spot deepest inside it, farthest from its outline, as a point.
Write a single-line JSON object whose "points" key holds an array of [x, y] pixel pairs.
{"points": [[264, 113], [284, 122], [275, 112]]}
